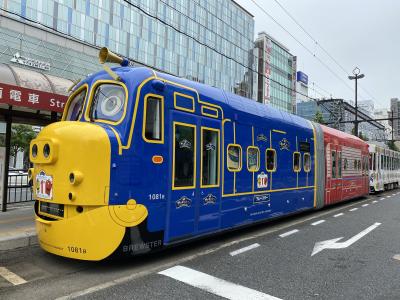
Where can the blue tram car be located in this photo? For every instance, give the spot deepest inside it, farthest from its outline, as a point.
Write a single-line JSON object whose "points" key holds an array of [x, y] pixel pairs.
{"points": [[143, 160]]}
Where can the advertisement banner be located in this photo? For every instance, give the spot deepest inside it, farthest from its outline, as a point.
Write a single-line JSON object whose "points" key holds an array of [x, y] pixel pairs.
{"points": [[38, 100], [267, 70]]}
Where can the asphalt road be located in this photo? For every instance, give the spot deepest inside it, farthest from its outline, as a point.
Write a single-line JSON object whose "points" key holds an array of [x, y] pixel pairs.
{"points": [[269, 261]]}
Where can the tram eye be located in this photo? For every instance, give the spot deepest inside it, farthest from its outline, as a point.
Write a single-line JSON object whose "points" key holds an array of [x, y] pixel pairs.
{"points": [[111, 106], [34, 150], [46, 150]]}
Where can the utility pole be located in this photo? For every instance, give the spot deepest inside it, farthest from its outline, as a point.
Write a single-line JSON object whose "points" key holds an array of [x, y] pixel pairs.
{"points": [[356, 76]]}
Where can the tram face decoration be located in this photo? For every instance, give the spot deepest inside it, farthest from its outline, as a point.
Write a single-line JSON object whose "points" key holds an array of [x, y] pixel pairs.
{"points": [[142, 160]]}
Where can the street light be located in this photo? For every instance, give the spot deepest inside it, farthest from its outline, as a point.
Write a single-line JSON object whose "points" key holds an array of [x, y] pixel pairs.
{"points": [[356, 76]]}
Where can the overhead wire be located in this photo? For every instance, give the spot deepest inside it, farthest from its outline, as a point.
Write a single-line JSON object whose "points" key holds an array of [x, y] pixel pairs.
{"points": [[318, 44], [305, 47]]}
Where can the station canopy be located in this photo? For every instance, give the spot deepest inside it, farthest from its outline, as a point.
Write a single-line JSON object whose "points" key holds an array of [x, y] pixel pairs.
{"points": [[30, 91]]}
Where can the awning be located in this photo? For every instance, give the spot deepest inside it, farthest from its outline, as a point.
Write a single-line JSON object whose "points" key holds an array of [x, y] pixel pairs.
{"points": [[27, 88]]}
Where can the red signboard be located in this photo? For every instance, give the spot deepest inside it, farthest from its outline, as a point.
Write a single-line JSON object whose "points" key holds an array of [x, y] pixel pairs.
{"points": [[38, 100]]}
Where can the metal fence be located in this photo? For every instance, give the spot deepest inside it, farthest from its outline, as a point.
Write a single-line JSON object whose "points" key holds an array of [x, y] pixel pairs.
{"points": [[18, 187]]}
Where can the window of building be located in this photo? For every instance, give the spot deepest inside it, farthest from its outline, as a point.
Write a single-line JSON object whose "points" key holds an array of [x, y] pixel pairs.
{"points": [[270, 159], [153, 119], [307, 162], [184, 155], [210, 157], [234, 157], [296, 161], [253, 159]]}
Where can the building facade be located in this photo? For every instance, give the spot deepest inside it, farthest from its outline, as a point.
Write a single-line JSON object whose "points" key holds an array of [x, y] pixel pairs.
{"points": [[277, 73], [395, 113], [340, 114], [382, 113], [209, 41]]}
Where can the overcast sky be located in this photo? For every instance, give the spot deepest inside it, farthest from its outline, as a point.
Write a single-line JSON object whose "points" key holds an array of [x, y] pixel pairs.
{"points": [[362, 33]]}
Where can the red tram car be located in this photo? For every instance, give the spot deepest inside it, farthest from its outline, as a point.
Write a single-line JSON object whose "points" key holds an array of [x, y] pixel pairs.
{"points": [[346, 166]]}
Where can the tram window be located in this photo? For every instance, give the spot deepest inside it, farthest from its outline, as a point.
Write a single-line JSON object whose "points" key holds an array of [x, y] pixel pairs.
{"points": [[355, 164], [371, 161], [185, 150], [234, 158], [253, 159], [359, 164], [345, 164], [339, 158], [270, 155], [296, 161], [108, 103], [382, 165], [76, 106], [209, 157], [333, 164], [153, 122], [307, 162]]}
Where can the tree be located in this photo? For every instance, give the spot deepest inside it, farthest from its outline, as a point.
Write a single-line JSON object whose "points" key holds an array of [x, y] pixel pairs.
{"points": [[319, 118], [21, 136], [392, 145]]}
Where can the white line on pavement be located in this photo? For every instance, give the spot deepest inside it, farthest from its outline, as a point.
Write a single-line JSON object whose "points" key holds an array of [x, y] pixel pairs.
{"points": [[148, 271], [353, 209], [244, 249], [393, 194], [289, 233], [374, 201], [318, 222], [211, 284], [11, 277], [338, 215], [387, 196], [382, 198], [365, 205]]}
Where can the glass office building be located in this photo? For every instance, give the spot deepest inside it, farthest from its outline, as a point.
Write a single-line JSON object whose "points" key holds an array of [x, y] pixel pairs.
{"points": [[277, 76], [209, 41]]}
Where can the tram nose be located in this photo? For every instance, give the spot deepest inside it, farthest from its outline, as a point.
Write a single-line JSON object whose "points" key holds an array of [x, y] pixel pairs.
{"points": [[71, 163]]}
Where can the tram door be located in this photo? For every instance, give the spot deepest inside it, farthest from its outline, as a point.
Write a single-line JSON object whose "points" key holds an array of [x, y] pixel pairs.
{"points": [[194, 199]]}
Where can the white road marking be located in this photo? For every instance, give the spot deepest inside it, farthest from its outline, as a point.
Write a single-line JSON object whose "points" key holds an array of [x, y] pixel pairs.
{"points": [[289, 233], [365, 205], [338, 215], [148, 271], [374, 201], [11, 277], [397, 257], [387, 196], [353, 209], [382, 198], [393, 194], [213, 284], [332, 244], [318, 222], [244, 249]]}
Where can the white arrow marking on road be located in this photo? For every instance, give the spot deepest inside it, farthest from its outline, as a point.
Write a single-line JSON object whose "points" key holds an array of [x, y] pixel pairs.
{"points": [[331, 244]]}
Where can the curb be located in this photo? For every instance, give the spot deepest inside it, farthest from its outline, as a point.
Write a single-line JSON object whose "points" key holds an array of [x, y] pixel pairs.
{"points": [[18, 241]]}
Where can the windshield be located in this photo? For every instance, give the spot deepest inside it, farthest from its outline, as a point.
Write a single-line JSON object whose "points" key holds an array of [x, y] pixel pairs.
{"points": [[76, 106], [108, 103]]}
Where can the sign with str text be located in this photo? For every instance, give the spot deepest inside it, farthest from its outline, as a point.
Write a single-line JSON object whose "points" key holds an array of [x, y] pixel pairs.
{"points": [[38, 100]]}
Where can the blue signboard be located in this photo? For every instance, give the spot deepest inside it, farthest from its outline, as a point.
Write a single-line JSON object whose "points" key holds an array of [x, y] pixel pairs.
{"points": [[302, 77]]}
